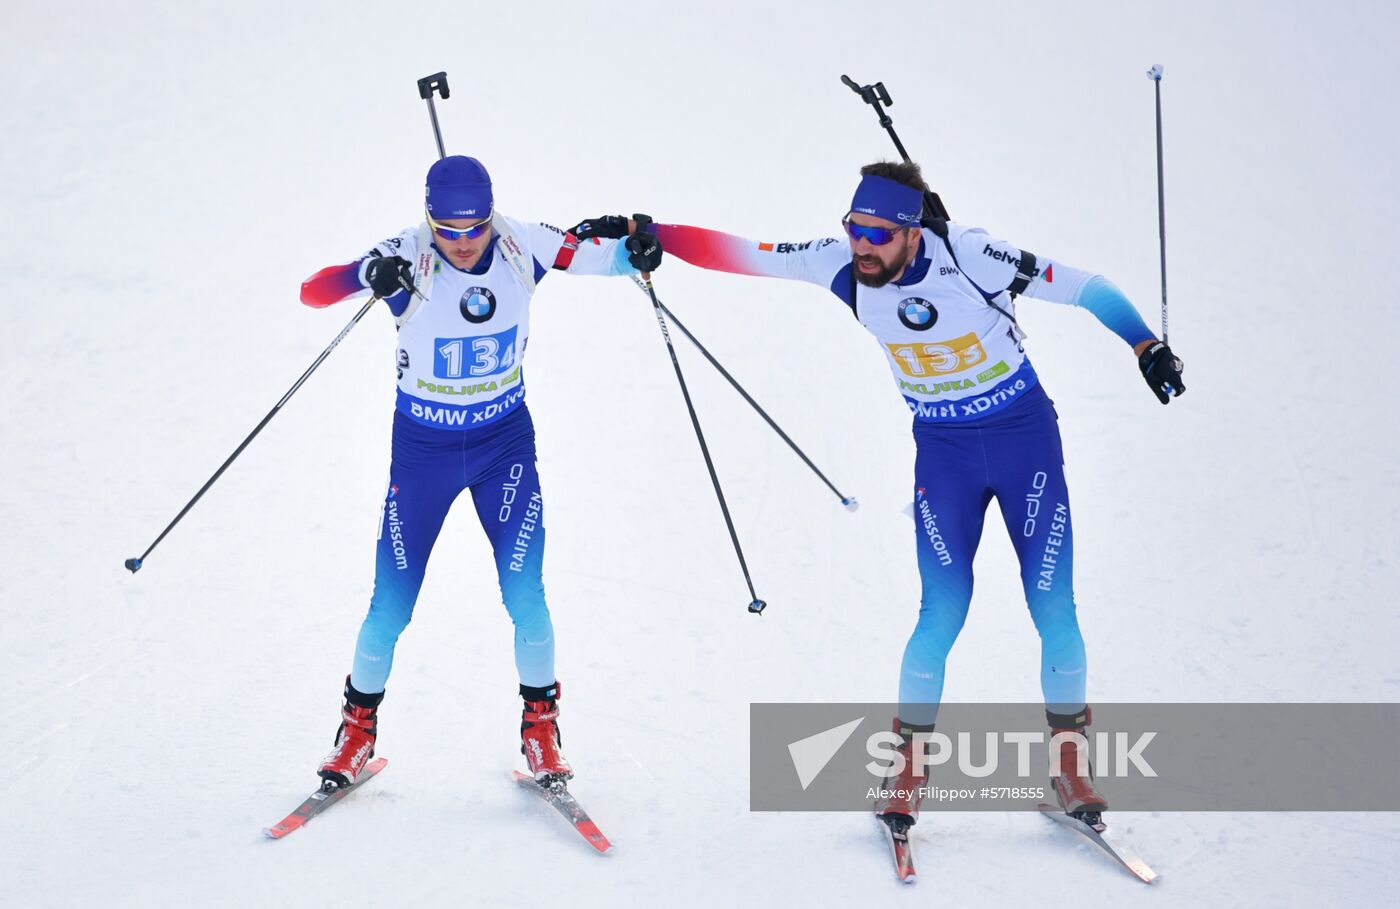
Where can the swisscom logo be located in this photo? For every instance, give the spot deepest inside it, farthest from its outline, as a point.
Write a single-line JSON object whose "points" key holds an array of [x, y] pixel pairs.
{"points": [[917, 313]]}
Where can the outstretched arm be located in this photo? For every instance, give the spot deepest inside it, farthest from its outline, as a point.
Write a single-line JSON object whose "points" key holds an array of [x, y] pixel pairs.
{"points": [[813, 261], [332, 284], [992, 264], [1158, 365], [1108, 304], [336, 282], [597, 246]]}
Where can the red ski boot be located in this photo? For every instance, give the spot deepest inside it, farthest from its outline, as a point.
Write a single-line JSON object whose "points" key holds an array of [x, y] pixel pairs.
{"points": [[539, 734], [905, 790], [1076, 791], [354, 740]]}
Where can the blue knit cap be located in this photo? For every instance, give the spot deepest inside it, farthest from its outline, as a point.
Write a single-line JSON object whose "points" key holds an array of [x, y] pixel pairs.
{"points": [[458, 187], [888, 199]]}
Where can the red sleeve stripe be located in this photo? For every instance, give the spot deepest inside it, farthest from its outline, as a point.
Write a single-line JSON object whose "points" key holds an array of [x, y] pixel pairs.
{"points": [[565, 258], [331, 285]]}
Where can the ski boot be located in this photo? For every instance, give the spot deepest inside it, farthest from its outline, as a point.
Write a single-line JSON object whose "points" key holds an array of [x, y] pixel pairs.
{"points": [[539, 735], [900, 808], [1078, 795], [354, 740]]}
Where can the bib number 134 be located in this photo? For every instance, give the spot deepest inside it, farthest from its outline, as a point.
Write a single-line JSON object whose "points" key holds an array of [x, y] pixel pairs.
{"points": [[484, 355]]}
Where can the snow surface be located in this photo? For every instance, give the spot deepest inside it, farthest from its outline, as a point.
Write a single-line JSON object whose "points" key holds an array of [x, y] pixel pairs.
{"points": [[172, 171]]}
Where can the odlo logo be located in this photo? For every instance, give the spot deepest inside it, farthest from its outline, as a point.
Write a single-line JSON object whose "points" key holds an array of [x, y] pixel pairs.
{"points": [[478, 304], [917, 313]]}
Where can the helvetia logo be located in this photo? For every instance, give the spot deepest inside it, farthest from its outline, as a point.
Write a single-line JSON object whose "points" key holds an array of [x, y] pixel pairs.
{"points": [[1001, 255], [917, 313], [478, 304]]}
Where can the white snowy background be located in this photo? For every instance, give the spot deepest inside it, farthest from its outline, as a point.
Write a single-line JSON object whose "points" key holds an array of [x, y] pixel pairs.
{"points": [[170, 172]]}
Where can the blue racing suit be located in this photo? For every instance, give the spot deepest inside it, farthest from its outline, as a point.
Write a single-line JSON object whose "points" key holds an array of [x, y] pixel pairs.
{"points": [[983, 426], [461, 423]]}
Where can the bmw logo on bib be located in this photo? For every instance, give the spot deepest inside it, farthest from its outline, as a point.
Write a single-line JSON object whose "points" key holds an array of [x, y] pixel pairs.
{"points": [[917, 313], [478, 304]]}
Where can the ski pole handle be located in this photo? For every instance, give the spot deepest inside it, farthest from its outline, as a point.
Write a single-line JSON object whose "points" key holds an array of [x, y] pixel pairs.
{"points": [[639, 224]]}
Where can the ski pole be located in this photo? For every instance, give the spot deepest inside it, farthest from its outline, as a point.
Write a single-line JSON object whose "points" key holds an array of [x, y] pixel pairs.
{"points": [[1155, 74], [876, 95], [134, 565], [756, 606], [426, 86], [848, 501]]}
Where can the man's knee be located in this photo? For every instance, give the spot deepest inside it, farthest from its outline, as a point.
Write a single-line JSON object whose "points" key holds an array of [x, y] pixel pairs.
{"points": [[1057, 625], [387, 619], [532, 624], [936, 631]]}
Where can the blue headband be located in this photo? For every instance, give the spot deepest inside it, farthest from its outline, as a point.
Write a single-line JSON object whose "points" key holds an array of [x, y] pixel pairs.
{"points": [[888, 199]]}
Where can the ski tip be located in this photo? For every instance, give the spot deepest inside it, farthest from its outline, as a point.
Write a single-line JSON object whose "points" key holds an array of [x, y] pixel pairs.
{"points": [[279, 831], [590, 832]]}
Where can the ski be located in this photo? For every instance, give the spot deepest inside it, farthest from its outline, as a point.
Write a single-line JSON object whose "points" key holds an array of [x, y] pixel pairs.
{"points": [[564, 802], [897, 835], [1101, 836], [319, 801]]}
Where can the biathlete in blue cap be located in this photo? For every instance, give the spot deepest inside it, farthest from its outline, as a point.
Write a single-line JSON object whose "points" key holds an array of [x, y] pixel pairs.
{"points": [[938, 297], [459, 287]]}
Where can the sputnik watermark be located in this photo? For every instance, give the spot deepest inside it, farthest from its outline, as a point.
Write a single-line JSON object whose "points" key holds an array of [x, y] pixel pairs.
{"points": [[1147, 757], [1114, 754]]}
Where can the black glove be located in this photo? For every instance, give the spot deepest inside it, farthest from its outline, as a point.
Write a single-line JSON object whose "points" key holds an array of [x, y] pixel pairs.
{"points": [[644, 246], [384, 274], [609, 227], [1162, 370]]}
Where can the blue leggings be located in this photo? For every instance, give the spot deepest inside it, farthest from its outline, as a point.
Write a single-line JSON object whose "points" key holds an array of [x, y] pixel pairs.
{"points": [[1016, 458], [430, 468]]}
